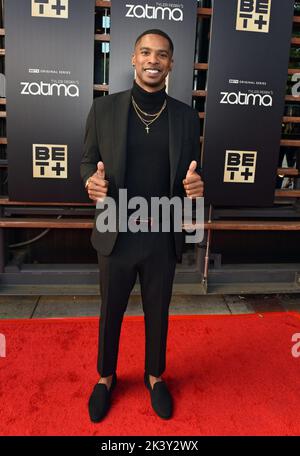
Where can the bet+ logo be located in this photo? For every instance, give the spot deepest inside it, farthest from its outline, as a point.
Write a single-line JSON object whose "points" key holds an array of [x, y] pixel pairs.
{"points": [[55, 9]]}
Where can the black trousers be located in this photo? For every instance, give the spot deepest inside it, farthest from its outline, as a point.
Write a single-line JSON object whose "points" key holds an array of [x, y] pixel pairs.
{"points": [[152, 256]]}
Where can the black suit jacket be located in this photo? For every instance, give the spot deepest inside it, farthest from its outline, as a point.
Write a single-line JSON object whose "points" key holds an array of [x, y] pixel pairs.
{"points": [[106, 140]]}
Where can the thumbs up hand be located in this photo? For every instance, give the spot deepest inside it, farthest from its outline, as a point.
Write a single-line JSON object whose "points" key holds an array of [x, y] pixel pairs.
{"points": [[100, 170], [96, 185], [193, 183]]}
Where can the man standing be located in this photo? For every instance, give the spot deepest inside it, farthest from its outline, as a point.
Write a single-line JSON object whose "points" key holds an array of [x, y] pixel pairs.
{"points": [[146, 142]]}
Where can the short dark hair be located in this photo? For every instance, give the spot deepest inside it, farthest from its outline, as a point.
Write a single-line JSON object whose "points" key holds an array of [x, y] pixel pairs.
{"points": [[156, 32]]}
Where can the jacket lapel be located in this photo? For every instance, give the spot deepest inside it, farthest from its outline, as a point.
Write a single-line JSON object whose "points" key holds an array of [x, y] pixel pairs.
{"points": [[119, 134], [175, 140]]}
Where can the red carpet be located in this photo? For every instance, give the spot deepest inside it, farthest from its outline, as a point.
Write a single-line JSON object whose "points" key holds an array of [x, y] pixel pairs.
{"points": [[229, 375]]}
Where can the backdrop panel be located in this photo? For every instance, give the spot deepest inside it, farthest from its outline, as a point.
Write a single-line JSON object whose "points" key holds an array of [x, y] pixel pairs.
{"points": [[130, 18], [248, 67], [49, 70]]}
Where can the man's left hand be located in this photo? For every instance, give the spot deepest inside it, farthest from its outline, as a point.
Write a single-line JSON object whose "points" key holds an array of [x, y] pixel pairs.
{"points": [[193, 184]]}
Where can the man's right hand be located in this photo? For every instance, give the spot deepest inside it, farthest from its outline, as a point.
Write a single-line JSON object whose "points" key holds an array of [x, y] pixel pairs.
{"points": [[97, 185]]}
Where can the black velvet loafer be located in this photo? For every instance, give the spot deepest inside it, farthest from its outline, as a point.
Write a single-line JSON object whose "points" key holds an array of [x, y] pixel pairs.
{"points": [[99, 402], [161, 399]]}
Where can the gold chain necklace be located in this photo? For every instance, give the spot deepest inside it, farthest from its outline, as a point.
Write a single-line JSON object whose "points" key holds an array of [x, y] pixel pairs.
{"points": [[147, 123], [143, 112]]}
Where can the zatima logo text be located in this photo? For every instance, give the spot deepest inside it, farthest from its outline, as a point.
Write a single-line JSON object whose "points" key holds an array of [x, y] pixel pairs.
{"points": [[246, 99], [47, 89], [154, 12]]}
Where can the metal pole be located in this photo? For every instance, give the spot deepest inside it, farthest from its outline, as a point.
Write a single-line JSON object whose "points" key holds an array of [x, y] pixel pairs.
{"points": [[207, 249]]}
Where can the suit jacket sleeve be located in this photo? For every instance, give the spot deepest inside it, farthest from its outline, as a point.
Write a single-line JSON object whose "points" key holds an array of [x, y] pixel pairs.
{"points": [[91, 154]]}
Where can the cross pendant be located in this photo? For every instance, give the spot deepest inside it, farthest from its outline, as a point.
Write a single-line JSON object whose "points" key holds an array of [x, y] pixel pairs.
{"points": [[147, 129]]}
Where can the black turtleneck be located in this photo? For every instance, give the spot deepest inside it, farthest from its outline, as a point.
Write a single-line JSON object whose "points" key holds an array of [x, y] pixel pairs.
{"points": [[147, 164]]}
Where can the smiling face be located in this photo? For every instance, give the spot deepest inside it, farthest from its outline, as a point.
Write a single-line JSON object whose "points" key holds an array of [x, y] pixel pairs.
{"points": [[152, 59]]}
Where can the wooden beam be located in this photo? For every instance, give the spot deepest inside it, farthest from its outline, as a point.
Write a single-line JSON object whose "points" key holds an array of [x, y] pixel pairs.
{"points": [[264, 225], [45, 223], [204, 12], [201, 66], [8, 202], [88, 223], [287, 119], [290, 142], [103, 4], [295, 40], [293, 70], [287, 172], [204, 67], [101, 87], [292, 98], [102, 37], [287, 193], [199, 93]]}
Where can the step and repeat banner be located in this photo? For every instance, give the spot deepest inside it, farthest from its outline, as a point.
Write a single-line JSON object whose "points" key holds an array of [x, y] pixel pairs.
{"points": [[248, 68], [130, 18], [49, 71]]}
